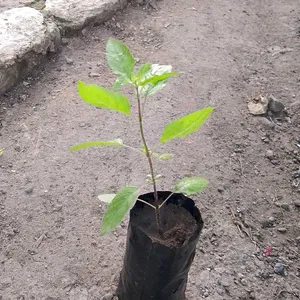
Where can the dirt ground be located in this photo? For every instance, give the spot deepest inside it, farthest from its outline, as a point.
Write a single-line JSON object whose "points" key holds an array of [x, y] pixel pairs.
{"points": [[228, 52]]}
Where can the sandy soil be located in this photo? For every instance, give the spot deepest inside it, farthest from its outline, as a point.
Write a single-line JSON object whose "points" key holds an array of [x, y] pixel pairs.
{"points": [[228, 53]]}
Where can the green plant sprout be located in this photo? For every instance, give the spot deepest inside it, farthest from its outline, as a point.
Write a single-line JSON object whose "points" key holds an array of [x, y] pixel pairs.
{"points": [[2, 150], [149, 79]]}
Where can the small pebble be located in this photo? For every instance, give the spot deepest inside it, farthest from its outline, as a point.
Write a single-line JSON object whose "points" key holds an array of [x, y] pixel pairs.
{"points": [[285, 206], [275, 106], [279, 268], [272, 219], [244, 281], [69, 61], [282, 230], [297, 203], [29, 190], [23, 97], [64, 41], [206, 294], [220, 190], [270, 154], [94, 74]]}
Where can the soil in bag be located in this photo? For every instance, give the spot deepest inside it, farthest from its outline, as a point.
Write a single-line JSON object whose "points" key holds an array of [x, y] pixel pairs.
{"points": [[155, 266]]}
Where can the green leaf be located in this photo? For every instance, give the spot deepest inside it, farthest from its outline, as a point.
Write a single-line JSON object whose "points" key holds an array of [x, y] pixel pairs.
{"points": [[143, 70], [117, 142], [191, 185], [118, 208], [106, 198], [119, 82], [165, 156], [186, 125], [119, 58], [155, 70], [101, 97], [154, 80]]}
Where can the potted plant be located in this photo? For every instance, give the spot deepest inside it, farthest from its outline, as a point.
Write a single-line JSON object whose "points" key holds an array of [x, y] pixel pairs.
{"points": [[164, 226]]}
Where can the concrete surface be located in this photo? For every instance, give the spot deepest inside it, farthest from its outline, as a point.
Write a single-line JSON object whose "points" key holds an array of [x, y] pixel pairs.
{"points": [[75, 14], [24, 37], [27, 34]]}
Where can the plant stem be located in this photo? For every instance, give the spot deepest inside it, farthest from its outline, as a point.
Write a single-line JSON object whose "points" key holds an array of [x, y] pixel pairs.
{"points": [[166, 200], [156, 202], [146, 203]]}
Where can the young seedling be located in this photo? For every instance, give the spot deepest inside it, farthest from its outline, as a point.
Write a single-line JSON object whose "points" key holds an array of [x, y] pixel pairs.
{"points": [[146, 81], [2, 150]]}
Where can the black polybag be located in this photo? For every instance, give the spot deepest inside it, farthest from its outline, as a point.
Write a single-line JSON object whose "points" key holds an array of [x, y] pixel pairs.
{"points": [[152, 271]]}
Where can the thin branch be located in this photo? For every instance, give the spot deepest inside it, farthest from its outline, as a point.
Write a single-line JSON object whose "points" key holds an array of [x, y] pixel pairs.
{"points": [[132, 148], [166, 199], [146, 203]]}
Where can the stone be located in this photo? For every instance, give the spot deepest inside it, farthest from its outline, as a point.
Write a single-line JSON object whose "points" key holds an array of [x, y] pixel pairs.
{"points": [[271, 219], [284, 206], [29, 190], [269, 154], [279, 268], [282, 229], [94, 74], [69, 61], [76, 14], [23, 34], [297, 203], [64, 41], [258, 106], [275, 106]]}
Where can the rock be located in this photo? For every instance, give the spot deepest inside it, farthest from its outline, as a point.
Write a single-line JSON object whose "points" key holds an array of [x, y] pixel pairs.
{"points": [[266, 224], [224, 281], [64, 41], [220, 190], [279, 268], [297, 203], [108, 297], [24, 36], [269, 154], [69, 61], [282, 229], [266, 122], [275, 106], [244, 281], [272, 219], [76, 14], [284, 206], [94, 74], [258, 106], [29, 190]]}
